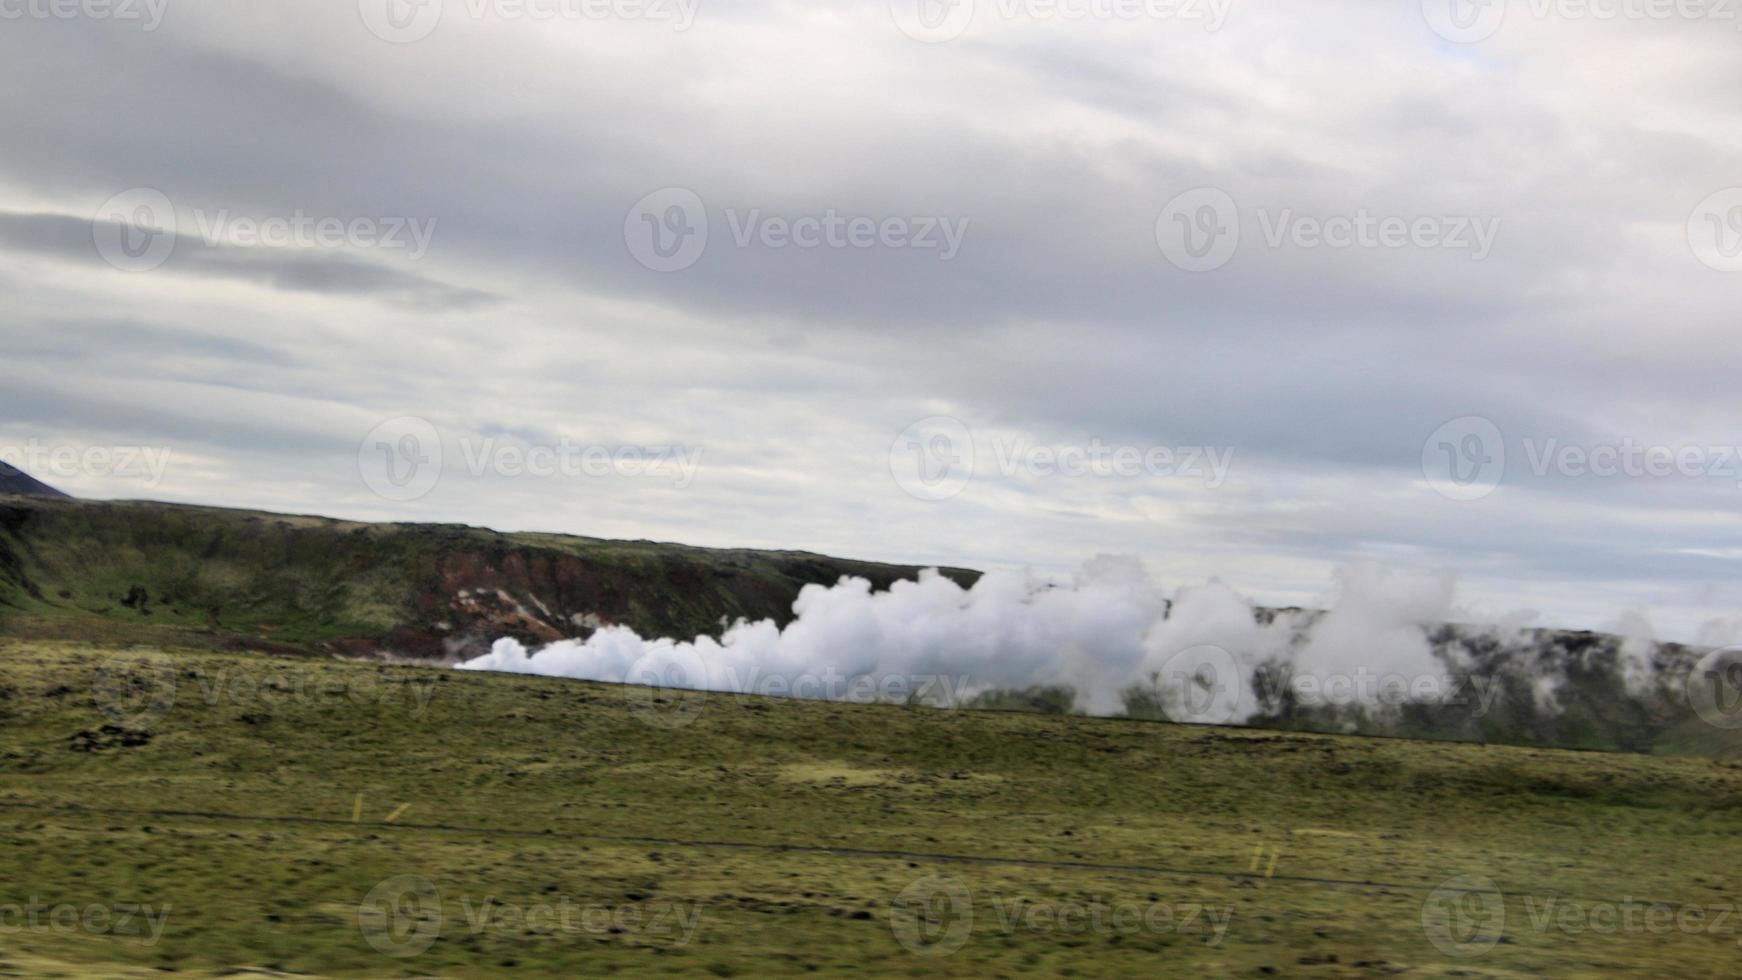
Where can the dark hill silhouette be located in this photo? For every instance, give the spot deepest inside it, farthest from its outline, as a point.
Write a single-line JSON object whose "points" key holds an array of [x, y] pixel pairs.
{"points": [[16, 481]]}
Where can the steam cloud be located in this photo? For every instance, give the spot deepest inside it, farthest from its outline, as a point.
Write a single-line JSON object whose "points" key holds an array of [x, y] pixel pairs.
{"points": [[1105, 632]]}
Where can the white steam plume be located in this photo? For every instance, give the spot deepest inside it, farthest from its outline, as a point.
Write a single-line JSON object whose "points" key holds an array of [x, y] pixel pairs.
{"points": [[1100, 634]]}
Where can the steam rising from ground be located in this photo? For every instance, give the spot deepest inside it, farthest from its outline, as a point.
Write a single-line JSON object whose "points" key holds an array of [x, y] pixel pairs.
{"points": [[1105, 634]]}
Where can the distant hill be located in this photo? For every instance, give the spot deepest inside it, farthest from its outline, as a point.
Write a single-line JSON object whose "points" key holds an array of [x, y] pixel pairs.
{"points": [[20, 483], [135, 571]]}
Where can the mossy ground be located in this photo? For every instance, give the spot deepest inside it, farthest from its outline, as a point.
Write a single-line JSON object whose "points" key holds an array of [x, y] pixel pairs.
{"points": [[784, 837]]}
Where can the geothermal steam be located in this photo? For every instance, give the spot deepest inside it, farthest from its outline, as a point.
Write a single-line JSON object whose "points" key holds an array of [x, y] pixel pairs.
{"points": [[1101, 634]]}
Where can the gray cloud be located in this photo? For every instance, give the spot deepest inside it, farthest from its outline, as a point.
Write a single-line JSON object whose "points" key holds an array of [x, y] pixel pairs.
{"points": [[1060, 320], [70, 238]]}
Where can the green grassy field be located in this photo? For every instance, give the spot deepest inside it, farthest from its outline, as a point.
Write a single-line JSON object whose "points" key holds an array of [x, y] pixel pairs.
{"points": [[197, 812]]}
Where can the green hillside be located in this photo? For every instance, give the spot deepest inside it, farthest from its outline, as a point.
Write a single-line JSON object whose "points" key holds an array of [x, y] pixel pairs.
{"points": [[210, 576], [294, 816]]}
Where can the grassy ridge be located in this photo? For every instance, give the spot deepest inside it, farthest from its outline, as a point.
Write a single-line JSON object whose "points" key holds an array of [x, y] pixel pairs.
{"points": [[88, 569], [226, 786]]}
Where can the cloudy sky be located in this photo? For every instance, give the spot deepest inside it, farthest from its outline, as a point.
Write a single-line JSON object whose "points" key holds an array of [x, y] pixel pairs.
{"points": [[1249, 289]]}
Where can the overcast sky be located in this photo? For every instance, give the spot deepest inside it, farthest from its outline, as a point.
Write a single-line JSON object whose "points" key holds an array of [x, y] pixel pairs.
{"points": [[1437, 285]]}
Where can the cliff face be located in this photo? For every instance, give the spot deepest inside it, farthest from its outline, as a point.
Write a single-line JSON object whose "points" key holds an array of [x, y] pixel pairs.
{"points": [[95, 569]]}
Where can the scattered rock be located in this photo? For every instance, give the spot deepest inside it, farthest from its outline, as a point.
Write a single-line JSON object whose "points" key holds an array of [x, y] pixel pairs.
{"points": [[107, 737]]}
